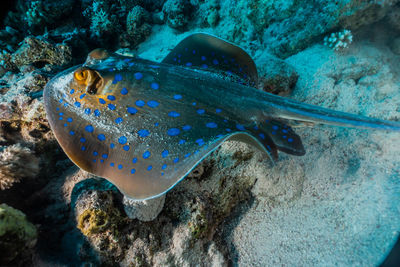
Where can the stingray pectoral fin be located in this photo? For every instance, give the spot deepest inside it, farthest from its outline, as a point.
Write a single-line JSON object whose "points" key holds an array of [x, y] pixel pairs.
{"points": [[285, 108], [166, 173], [211, 53]]}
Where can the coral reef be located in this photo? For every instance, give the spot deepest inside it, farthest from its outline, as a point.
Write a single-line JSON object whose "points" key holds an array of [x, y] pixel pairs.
{"points": [[16, 163], [17, 237], [235, 208]]}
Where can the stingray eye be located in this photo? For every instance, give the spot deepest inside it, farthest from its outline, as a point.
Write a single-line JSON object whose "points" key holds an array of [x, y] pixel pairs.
{"points": [[91, 79], [81, 76]]}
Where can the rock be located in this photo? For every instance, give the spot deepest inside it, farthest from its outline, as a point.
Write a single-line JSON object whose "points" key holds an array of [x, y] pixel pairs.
{"points": [[137, 25], [275, 75], [146, 210], [16, 163], [177, 13], [17, 237], [40, 51], [395, 46]]}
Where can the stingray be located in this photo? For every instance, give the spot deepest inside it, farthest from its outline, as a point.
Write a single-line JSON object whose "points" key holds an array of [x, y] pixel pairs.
{"points": [[145, 125]]}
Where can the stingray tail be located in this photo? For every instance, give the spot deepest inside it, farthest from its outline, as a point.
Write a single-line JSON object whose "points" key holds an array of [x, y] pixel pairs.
{"points": [[273, 105]]}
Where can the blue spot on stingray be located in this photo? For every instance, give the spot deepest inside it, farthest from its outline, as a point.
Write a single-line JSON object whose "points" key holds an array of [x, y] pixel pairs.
{"points": [[77, 104], [215, 61], [72, 91], [118, 120], [194, 52], [200, 142], [65, 124], [95, 153], [143, 133], [111, 97], [164, 153], [82, 140], [71, 132], [131, 110], [173, 114], [134, 160], [177, 97], [101, 137], [240, 127], [122, 140], [155, 86], [156, 124], [97, 113], [83, 148], [284, 131], [189, 64], [181, 142], [273, 132], [218, 110], [65, 104], [61, 114], [112, 164], [162, 174], [61, 118], [149, 168], [102, 101], [154, 66], [219, 136], [204, 66], [194, 104], [186, 127], [89, 128], [133, 171], [228, 130], [200, 111], [82, 96], [164, 167], [112, 145], [101, 160], [153, 103], [255, 128], [284, 137], [290, 140], [176, 160], [211, 125], [111, 106], [146, 154], [119, 166], [173, 131], [87, 111], [124, 91], [140, 103], [57, 108], [94, 160], [203, 58], [262, 136], [61, 100], [104, 156], [187, 155], [275, 127], [138, 76], [117, 78]]}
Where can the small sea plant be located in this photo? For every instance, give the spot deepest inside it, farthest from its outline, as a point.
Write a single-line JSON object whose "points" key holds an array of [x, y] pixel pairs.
{"points": [[339, 40]]}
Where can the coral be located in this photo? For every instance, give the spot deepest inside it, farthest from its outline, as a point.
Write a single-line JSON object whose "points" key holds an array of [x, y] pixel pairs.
{"points": [[38, 50], [17, 236], [393, 17], [275, 75], [16, 163], [137, 25], [146, 210], [46, 13], [177, 13], [339, 40]]}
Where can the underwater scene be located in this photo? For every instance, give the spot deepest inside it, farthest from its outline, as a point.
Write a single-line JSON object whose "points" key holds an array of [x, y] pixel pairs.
{"points": [[200, 133]]}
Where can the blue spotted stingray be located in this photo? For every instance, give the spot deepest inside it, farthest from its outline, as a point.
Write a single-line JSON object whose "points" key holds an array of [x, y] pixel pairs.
{"points": [[145, 125]]}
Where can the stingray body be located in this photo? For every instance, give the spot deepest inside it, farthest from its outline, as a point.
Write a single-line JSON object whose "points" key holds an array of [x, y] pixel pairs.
{"points": [[145, 125]]}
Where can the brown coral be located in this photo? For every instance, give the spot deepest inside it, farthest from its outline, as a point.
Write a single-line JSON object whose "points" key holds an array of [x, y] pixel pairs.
{"points": [[16, 163]]}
